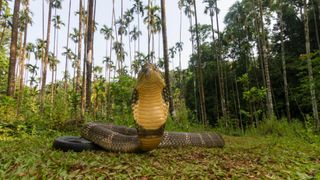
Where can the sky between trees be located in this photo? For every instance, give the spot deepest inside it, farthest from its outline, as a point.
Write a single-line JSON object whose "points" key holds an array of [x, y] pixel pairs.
{"points": [[103, 16]]}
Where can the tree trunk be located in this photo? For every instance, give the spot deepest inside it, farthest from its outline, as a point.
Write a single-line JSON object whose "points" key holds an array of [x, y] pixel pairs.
{"points": [[310, 71], [44, 71], [284, 68], [78, 63], [266, 63], [22, 60], [20, 42], [90, 55], [220, 71], [66, 62], [13, 49], [109, 100], [180, 65], [148, 28], [195, 82], [316, 24], [166, 56], [203, 114], [238, 103]]}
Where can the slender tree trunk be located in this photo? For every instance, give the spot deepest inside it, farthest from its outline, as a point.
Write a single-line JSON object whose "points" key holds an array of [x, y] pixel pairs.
{"points": [[316, 24], [20, 42], [13, 49], [199, 70], [238, 102], [165, 55], [55, 32], [148, 28], [179, 51], [89, 54], [44, 71], [130, 52], [284, 68], [109, 100], [310, 70], [42, 49], [22, 63], [78, 63], [195, 82], [84, 71], [67, 60], [220, 70], [266, 63]]}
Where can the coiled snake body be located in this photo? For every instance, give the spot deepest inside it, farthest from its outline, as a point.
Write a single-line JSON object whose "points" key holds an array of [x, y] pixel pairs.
{"points": [[150, 112]]}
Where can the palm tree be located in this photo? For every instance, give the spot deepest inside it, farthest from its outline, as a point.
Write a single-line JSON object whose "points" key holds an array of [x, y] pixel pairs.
{"points": [[30, 48], [265, 62], [120, 53], [134, 35], [140, 59], [57, 23], [212, 8], [106, 61], [89, 50], [189, 12], [310, 71], [13, 49], [165, 55], [154, 25], [128, 17], [179, 48], [67, 47], [52, 3], [203, 114], [78, 65], [283, 60], [107, 32], [172, 52], [53, 61], [69, 55], [33, 70], [41, 46], [138, 8], [27, 20]]}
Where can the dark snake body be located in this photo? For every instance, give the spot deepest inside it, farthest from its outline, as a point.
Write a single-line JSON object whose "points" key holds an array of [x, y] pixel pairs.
{"points": [[124, 139], [150, 110]]}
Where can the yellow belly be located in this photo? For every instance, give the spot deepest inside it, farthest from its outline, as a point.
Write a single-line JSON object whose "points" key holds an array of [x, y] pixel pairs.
{"points": [[150, 112]]}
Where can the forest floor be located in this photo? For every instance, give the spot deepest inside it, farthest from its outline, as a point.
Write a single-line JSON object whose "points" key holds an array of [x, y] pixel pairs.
{"points": [[32, 157]]}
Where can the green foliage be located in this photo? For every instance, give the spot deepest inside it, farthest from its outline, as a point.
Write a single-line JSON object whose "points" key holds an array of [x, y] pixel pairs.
{"points": [[4, 62], [121, 92], [8, 112]]}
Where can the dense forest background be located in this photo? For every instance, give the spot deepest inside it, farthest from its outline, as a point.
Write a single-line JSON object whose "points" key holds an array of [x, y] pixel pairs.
{"points": [[253, 79], [264, 65]]}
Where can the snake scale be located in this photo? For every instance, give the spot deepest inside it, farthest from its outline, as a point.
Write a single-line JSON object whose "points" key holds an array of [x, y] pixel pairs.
{"points": [[150, 111]]}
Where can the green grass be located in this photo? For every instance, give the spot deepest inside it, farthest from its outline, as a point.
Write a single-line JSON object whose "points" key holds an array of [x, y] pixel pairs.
{"points": [[31, 157]]}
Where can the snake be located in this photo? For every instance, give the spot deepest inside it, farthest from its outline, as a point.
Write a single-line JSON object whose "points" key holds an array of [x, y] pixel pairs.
{"points": [[150, 107]]}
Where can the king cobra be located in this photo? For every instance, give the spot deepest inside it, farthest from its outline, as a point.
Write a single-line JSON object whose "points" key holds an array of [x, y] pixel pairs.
{"points": [[150, 111]]}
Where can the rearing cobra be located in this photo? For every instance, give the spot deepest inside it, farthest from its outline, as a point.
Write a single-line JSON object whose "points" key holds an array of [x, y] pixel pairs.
{"points": [[150, 111]]}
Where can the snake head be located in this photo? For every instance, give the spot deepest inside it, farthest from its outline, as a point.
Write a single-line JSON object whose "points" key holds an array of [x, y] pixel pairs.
{"points": [[150, 74]]}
